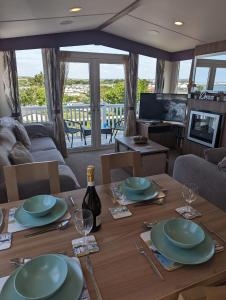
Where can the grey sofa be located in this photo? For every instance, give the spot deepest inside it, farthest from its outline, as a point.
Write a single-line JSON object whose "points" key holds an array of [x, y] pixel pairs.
{"points": [[42, 148], [205, 173]]}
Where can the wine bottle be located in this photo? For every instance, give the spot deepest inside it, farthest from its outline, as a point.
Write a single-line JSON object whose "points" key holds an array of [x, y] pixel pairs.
{"points": [[91, 199]]}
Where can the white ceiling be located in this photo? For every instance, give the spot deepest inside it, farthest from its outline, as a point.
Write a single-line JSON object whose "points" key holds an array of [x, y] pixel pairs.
{"points": [[204, 20]]}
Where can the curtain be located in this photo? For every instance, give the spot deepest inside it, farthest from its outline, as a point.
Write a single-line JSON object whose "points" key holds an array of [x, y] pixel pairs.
{"points": [[64, 68], [174, 76], [160, 80], [131, 88], [10, 82], [54, 92]]}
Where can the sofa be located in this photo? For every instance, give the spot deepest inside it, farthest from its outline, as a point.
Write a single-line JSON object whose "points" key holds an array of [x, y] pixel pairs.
{"points": [[38, 139], [210, 179]]}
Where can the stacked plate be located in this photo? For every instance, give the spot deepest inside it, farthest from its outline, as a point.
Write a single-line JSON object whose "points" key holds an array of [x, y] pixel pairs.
{"points": [[53, 277], [40, 210], [182, 241], [139, 189]]}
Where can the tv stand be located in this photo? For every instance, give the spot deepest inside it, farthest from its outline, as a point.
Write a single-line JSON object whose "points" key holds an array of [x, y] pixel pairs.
{"points": [[166, 133]]}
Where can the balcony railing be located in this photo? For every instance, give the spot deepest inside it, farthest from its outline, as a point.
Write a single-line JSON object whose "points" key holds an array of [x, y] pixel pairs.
{"points": [[110, 113]]}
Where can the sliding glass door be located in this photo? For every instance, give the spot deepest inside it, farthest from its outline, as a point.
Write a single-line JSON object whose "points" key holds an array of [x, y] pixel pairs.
{"points": [[94, 98]]}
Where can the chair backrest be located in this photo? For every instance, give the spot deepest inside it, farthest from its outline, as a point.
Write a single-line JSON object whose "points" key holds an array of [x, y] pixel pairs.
{"points": [[120, 160], [28, 173]]}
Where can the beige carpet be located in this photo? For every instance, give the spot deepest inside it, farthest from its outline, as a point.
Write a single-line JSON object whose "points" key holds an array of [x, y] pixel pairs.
{"points": [[78, 162]]}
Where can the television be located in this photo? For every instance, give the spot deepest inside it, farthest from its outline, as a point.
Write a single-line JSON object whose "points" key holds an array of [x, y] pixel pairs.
{"points": [[162, 107]]}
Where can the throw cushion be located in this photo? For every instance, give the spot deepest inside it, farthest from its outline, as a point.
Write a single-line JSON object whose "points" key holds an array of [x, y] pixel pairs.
{"points": [[7, 137], [20, 154], [4, 161], [222, 165], [215, 155], [21, 135]]}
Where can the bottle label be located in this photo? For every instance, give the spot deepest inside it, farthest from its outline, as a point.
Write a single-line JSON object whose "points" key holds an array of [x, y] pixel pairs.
{"points": [[91, 183], [98, 220]]}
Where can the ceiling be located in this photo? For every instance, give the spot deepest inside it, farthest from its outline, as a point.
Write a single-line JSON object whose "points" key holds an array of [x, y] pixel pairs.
{"points": [[204, 20]]}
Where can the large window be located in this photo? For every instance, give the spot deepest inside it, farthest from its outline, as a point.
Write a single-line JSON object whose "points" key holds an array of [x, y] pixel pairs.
{"points": [[146, 75], [183, 77], [31, 85]]}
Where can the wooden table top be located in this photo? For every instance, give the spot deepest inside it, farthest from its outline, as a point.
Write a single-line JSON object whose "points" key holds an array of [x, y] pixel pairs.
{"points": [[149, 148], [121, 272]]}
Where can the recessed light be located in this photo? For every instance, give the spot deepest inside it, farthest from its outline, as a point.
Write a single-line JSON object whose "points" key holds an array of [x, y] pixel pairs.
{"points": [[153, 32], [66, 22], [179, 23], [75, 9]]}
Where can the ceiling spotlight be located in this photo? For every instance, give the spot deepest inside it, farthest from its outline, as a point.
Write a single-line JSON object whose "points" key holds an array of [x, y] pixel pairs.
{"points": [[153, 32], [75, 9], [179, 23], [66, 22]]}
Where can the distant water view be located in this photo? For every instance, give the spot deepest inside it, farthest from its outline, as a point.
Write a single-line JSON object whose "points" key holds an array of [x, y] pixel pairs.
{"points": [[220, 87]]}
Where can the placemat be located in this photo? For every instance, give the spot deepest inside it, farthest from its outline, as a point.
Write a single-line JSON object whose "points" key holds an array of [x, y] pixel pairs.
{"points": [[79, 247], [14, 226], [166, 263], [84, 295]]}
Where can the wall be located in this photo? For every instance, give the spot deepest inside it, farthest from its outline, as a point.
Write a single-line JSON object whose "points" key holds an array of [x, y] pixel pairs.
{"points": [[4, 107]]}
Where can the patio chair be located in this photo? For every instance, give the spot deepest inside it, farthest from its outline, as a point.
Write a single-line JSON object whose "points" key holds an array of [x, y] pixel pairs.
{"points": [[119, 126], [71, 128]]}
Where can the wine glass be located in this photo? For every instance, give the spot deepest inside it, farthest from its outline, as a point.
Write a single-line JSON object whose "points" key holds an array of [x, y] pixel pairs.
{"points": [[83, 223], [189, 192]]}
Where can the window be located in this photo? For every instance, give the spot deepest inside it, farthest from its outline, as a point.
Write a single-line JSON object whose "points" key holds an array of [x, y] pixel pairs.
{"points": [[94, 49], [202, 78], [183, 77], [31, 85], [220, 80], [146, 75]]}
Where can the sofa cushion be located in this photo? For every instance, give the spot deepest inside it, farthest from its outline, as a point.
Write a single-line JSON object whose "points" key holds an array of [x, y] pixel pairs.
{"points": [[4, 161], [40, 144], [7, 138], [222, 165], [21, 135], [20, 154], [215, 155], [48, 155], [68, 181]]}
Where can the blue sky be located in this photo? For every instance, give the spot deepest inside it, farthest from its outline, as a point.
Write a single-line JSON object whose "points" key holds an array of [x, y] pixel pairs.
{"points": [[29, 63]]}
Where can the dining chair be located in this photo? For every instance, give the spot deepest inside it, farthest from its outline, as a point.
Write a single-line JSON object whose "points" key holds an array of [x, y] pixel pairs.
{"points": [[31, 173], [120, 160]]}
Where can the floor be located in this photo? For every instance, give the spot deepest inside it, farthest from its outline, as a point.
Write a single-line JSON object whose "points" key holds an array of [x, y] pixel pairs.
{"points": [[77, 142], [78, 161]]}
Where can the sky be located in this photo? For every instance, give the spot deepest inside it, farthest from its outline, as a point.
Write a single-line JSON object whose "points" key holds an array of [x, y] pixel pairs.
{"points": [[29, 63]]}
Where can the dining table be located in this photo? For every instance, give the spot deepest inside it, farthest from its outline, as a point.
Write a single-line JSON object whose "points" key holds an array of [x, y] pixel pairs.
{"points": [[120, 271]]}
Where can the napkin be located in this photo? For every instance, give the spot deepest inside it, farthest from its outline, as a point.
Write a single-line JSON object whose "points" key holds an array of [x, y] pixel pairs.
{"points": [[84, 295], [79, 248], [14, 226]]}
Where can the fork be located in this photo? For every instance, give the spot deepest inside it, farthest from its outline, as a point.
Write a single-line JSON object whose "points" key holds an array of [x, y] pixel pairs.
{"points": [[141, 250], [89, 267]]}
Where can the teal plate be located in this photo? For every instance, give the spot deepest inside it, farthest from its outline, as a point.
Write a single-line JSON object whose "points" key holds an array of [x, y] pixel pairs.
{"points": [[149, 194], [70, 290], [55, 214], [197, 255]]}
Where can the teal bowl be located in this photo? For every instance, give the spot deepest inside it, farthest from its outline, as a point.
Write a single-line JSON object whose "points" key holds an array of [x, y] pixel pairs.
{"points": [[41, 277], [39, 206], [137, 184], [183, 233]]}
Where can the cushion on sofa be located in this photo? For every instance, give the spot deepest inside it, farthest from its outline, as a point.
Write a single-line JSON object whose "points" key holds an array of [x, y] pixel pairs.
{"points": [[4, 161], [20, 154], [47, 155], [215, 155], [21, 135], [7, 138], [42, 144], [222, 165]]}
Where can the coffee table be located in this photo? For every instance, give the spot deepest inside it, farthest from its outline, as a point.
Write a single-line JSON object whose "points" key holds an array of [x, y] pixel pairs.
{"points": [[153, 155]]}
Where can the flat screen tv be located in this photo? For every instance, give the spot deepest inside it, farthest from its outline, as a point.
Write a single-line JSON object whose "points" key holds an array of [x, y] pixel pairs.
{"points": [[156, 108]]}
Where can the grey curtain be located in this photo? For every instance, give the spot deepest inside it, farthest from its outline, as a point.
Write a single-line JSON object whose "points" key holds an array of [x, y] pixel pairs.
{"points": [[64, 68], [160, 80], [131, 88], [10, 82], [53, 91]]}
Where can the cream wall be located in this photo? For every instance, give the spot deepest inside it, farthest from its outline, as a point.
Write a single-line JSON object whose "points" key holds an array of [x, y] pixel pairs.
{"points": [[4, 107]]}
